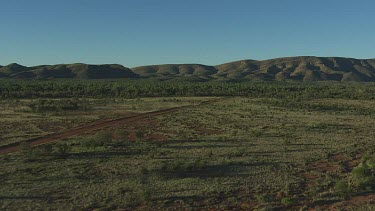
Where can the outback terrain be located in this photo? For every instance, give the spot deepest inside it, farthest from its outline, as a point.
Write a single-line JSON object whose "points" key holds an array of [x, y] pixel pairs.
{"points": [[146, 145]]}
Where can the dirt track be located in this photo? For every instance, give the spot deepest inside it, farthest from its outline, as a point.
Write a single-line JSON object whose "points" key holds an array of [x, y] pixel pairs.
{"points": [[94, 126]]}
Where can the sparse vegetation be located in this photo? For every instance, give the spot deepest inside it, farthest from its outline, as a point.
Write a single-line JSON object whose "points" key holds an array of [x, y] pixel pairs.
{"points": [[42, 105], [245, 152], [121, 135]]}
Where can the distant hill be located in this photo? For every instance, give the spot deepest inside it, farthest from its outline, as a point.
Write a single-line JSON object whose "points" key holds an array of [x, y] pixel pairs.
{"points": [[80, 71], [305, 68], [12, 69], [302, 69], [175, 70]]}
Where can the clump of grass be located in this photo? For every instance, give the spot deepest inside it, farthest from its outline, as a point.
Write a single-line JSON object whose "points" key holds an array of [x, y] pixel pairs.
{"points": [[100, 139], [287, 201], [45, 105], [256, 132], [183, 165]]}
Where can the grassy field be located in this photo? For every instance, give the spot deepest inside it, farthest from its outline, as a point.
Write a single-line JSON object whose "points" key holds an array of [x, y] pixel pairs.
{"points": [[237, 153], [18, 122]]}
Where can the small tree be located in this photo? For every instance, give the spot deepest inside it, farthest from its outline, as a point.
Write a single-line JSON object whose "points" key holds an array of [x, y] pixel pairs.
{"points": [[364, 175], [343, 189], [62, 149]]}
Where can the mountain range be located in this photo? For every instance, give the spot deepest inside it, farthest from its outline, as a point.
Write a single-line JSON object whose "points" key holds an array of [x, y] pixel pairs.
{"points": [[304, 68]]}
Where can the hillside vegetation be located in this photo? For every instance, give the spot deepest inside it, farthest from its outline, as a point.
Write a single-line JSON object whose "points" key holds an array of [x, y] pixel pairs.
{"points": [[81, 71], [292, 68]]}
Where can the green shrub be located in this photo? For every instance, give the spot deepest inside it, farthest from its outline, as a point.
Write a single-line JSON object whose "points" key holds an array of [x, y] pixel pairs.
{"points": [[264, 198], [343, 189], [46, 105], [364, 174], [98, 140], [46, 149], [182, 165], [287, 201], [256, 132], [62, 149]]}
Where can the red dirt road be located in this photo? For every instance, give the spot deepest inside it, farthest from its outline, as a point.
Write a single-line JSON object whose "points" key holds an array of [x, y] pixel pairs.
{"points": [[94, 126]]}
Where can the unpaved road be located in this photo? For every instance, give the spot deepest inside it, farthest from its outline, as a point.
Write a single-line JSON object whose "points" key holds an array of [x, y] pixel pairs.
{"points": [[94, 126]]}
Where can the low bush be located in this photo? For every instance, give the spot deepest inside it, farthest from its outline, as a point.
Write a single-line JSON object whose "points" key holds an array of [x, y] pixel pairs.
{"points": [[62, 150], [182, 165], [287, 201], [48, 105], [343, 189], [98, 140], [364, 174]]}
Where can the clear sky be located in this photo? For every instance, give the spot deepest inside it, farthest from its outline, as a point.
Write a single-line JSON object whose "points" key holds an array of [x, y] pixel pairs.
{"points": [[142, 32]]}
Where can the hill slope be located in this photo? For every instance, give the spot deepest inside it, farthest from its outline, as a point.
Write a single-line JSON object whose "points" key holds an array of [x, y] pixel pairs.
{"points": [[292, 68], [12, 69], [175, 70], [302, 68], [81, 71]]}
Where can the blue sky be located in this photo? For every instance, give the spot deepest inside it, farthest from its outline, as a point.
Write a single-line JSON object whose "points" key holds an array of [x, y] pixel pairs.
{"points": [[142, 32]]}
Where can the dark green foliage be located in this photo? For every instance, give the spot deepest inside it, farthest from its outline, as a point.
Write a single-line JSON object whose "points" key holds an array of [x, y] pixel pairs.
{"points": [[184, 165], [286, 94], [343, 189], [264, 198], [99, 139], [170, 100], [62, 150], [44, 105], [256, 132], [364, 174], [46, 149], [104, 136], [287, 201]]}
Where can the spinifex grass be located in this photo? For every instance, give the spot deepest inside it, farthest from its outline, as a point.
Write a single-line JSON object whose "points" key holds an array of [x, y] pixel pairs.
{"points": [[238, 152]]}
